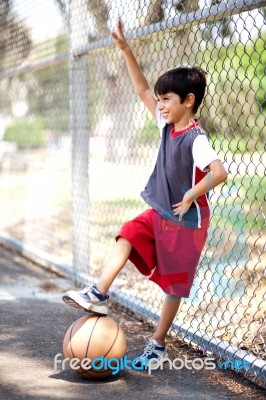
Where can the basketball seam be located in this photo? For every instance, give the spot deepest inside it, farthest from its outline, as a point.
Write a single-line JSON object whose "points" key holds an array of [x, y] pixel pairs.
{"points": [[96, 371], [70, 339], [91, 336], [73, 355], [102, 372], [87, 371]]}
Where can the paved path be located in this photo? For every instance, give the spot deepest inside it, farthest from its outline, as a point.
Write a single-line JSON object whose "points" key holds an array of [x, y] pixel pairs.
{"points": [[33, 323]]}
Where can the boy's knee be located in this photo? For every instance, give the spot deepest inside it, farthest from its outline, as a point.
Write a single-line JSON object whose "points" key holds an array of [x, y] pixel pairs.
{"points": [[172, 298]]}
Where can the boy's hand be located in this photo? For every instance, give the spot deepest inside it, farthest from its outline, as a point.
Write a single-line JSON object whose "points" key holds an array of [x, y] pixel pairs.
{"points": [[119, 37], [182, 207]]}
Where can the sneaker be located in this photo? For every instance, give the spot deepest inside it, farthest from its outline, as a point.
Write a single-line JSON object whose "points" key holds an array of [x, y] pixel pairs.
{"points": [[152, 352], [88, 299]]}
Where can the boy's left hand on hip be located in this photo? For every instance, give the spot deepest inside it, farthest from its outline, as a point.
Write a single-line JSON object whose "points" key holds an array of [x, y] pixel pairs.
{"points": [[182, 207]]}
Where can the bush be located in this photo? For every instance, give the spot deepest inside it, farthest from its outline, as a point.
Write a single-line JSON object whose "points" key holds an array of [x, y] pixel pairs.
{"points": [[229, 145], [149, 132], [25, 133]]}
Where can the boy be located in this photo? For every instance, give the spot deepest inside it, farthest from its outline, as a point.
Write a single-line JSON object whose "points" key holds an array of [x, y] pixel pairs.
{"points": [[165, 242]]}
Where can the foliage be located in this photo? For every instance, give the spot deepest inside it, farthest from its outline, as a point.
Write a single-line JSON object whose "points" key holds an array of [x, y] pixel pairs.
{"points": [[228, 144], [250, 200], [12, 32], [15, 46], [48, 92], [252, 65], [236, 90], [25, 133], [149, 132], [235, 103]]}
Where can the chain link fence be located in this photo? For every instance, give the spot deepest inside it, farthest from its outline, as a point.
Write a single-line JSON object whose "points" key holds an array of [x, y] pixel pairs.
{"points": [[77, 148]]}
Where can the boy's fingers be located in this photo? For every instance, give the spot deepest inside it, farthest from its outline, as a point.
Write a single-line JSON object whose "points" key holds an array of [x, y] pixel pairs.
{"points": [[176, 205], [114, 35], [119, 24], [176, 212]]}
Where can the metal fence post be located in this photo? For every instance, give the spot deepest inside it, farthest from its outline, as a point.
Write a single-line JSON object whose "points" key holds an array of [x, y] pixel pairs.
{"points": [[79, 136]]}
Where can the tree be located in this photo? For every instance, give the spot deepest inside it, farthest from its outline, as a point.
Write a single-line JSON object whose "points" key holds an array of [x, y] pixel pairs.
{"points": [[235, 102], [48, 92], [15, 40], [229, 97], [15, 46], [223, 27]]}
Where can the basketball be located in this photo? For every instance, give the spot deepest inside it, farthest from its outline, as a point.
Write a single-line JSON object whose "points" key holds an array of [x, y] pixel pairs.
{"points": [[90, 342]]}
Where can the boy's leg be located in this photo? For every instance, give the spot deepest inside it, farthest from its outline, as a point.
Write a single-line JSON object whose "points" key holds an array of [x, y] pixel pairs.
{"points": [[170, 307], [114, 264], [155, 349], [95, 299]]}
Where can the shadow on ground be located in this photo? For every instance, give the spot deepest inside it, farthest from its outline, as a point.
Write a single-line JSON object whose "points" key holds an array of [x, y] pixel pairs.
{"points": [[33, 324]]}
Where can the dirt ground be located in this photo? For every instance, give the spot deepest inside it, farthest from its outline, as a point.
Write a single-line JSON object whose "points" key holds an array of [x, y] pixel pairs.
{"points": [[33, 324]]}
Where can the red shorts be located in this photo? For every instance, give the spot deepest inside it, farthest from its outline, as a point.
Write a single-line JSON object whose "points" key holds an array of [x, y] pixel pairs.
{"points": [[164, 251]]}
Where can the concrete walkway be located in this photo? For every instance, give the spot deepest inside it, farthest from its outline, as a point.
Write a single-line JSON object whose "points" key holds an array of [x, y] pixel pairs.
{"points": [[33, 324]]}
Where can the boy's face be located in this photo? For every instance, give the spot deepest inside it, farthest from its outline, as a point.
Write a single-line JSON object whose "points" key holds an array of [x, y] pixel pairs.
{"points": [[171, 108]]}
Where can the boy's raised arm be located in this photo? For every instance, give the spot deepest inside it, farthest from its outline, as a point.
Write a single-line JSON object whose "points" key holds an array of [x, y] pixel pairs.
{"points": [[138, 79]]}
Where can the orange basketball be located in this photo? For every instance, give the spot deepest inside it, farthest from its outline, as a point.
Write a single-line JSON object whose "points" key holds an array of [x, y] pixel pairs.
{"points": [[90, 342]]}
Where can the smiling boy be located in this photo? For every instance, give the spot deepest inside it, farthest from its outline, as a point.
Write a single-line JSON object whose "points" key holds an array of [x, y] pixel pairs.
{"points": [[165, 242]]}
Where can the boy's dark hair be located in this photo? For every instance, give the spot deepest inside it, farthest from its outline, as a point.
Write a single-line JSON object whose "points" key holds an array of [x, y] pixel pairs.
{"points": [[182, 81]]}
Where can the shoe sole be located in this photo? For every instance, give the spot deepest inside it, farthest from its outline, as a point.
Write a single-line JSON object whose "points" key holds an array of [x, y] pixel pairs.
{"points": [[101, 309]]}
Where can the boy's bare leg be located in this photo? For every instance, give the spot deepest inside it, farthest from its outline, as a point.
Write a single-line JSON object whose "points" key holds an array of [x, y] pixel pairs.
{"points": [[89, 299], [115, 262], [169, 311]]}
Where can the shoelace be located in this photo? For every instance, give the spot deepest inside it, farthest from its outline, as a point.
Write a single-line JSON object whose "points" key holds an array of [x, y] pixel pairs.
{"points": [[148, 348], [86, 290], [90, 291]]}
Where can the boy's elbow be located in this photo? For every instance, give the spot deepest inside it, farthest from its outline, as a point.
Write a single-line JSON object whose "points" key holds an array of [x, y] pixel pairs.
{"points": [[219, 172], [221, 176], [218, 176], [224, 174]]}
